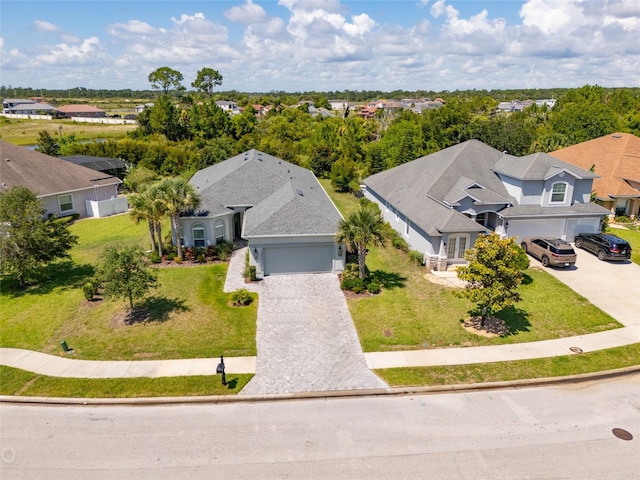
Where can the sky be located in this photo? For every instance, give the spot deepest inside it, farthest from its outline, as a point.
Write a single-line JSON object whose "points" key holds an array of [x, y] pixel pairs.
{"points": [[322, 45]]}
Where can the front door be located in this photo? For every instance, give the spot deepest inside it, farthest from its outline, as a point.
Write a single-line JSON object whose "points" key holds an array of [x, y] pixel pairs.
{"points": [[237, 225], [458, 244]]}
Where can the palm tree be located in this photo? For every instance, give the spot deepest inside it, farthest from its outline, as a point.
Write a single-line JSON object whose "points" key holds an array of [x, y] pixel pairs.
{"points": [[140, 204], [362, 228], [177, 196]]}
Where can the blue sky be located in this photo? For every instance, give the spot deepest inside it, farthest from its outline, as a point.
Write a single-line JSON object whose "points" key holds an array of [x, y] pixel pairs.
{"points": [[323, 45]]}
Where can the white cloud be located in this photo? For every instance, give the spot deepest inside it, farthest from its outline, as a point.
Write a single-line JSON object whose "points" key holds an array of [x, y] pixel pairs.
{"points": [[89, 51], [248, 13], [44, 26]]}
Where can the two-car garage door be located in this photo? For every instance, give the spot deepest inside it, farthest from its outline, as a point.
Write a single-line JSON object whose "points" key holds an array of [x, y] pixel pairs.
{"points": [[553, 227], [297, 259]]}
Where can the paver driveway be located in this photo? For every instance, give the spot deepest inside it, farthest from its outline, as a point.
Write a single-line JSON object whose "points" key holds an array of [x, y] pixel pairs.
{"points": [[305, 337], [614, 287]]}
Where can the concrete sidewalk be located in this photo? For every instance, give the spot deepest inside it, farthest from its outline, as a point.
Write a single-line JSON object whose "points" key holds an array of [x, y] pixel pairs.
{"points": [[57, 366]]}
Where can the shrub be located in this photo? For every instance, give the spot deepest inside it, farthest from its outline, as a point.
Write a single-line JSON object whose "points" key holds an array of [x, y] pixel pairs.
{"points": [[252, 273], [350, 271], [356, 285], [622, 219], [224, 250], [190, 254], [90, 289], [201, 258], [374, 287], [177, 259], [155, 258], [240, 297], [400, 243], [416, 257]]}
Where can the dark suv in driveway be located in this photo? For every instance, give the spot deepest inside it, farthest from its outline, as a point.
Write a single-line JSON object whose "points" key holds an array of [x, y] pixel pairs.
{"points": [[604, 245], [550, 251]]}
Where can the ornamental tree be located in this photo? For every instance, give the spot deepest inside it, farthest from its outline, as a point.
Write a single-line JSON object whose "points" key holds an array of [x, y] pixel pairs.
{"points": [[28, 241], [493, 274], [124, 273]]}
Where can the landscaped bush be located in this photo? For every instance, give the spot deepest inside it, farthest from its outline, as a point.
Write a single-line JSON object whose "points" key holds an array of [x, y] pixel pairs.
{"points": [[200, 258], [350, 271], [622, 219], [224, 249], [155, 258], [416, 257], [356, 285], [374, 287], [240, 297], [90, 289], [400, 243], [252, 273]]}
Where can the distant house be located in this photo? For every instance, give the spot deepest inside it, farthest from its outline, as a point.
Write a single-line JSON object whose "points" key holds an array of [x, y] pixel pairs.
{"points": [[65, 188], [615, 159], [140, 108], [87, 111], [278, 207], [441, 202], [9, 103], [514, 105], [35, 109], [228, 106], [338, 104]]}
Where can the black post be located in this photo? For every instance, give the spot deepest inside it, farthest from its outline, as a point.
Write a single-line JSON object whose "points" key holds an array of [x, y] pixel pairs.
{"points": [[220, 370]]}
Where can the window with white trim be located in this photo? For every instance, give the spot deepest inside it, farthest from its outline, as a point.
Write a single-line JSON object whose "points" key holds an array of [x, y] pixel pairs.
{"points": [[558, 192], [66, 203], [199, 237], [218, 231]]}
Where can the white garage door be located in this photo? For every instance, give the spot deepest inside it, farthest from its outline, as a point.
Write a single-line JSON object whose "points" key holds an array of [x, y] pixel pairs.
{"points": [[581, 225], [298, 259], [543, 227]]}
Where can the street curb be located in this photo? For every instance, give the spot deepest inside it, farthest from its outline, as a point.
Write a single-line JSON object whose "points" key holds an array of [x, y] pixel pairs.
{"points": [[397, 391]]}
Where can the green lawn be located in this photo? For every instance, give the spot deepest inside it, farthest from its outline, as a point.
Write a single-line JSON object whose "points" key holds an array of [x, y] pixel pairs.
{"points": [[602, 360], [190, 316], [412, 313], [21, 383], [632, 236]]}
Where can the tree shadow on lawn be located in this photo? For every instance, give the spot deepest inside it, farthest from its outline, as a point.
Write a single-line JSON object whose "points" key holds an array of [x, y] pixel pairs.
{"points": [[388, 280], [65, 274], [155, 309], [517, 320], [526, 279]]}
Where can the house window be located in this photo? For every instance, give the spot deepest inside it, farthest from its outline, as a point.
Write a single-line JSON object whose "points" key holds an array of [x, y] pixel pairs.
{"points": [[65, 202], [199, 239], [481, 218], [218, 231], [558, 192]]}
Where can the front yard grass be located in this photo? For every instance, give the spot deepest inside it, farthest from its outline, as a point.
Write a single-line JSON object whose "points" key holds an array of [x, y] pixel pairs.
{"points": [[631, 235], [20, 383], [412, 312], [189, 313]]}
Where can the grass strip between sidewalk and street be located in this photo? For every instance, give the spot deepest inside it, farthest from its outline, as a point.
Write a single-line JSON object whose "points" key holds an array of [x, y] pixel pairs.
{"points": [[18, 382], [599, 361]]}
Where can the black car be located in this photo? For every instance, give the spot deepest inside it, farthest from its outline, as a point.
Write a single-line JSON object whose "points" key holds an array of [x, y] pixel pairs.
{"points": [[604, 245]]}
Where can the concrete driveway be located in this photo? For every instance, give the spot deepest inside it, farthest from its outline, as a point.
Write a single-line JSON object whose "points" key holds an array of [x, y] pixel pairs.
{"points": [[614, 287]]}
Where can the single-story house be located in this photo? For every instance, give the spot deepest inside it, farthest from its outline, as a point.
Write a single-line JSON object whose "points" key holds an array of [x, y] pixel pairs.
{"points": [[65, 188], [615, 159], [439, 203], [9, 103], [86, 111], [278, 207], [35, 109]]}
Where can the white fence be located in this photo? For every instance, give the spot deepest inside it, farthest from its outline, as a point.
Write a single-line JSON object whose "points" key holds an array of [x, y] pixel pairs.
{"points": [[105, 208], [28, 117], [109, 120]]}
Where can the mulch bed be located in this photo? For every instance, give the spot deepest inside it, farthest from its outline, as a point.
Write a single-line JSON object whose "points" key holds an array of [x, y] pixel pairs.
{"points": [[493, 326]]}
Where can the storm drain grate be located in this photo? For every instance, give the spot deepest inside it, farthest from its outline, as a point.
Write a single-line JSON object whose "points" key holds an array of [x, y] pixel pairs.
{"points": [[622, 434]]}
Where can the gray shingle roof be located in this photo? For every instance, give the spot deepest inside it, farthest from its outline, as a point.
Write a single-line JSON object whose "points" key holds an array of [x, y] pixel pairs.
{"points": [[286, 199], [46, 175], [443, 176], [537, 166], [536, 210]]}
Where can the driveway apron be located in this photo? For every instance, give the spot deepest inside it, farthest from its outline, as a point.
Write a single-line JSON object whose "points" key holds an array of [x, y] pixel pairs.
{"points": [[305, 338]]}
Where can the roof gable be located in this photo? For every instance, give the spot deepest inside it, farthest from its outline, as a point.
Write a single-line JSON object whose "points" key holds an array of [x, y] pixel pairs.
{"points": [[538, 166], [45, 175]]}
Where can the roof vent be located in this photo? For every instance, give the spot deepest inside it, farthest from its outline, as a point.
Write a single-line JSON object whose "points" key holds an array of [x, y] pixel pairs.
{"points": [[7, 160], [617, 136], [299, 192]]}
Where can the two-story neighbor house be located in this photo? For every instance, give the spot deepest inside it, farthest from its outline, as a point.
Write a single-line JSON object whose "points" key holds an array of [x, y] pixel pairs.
{"points": [[439, 203], [278, 207]]}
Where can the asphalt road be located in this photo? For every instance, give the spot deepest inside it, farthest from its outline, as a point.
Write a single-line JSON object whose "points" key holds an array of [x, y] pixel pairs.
{"points": [[551, 432]]}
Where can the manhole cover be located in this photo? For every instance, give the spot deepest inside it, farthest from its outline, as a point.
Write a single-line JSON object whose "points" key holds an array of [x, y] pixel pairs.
{"points": [[388, 333], [575, 349], [622, 434]]}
